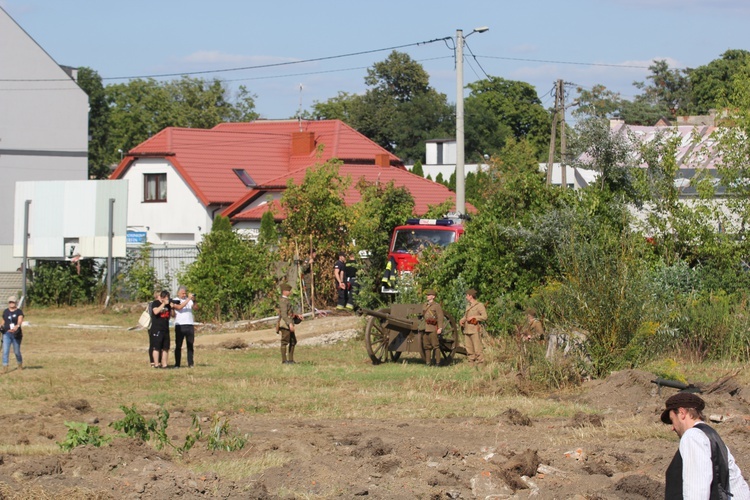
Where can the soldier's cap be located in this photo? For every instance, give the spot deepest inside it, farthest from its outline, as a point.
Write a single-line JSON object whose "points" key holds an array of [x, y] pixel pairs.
{"points": [[13, 299], [471, 292], [681, 400], [430, 291], [286, 287]]}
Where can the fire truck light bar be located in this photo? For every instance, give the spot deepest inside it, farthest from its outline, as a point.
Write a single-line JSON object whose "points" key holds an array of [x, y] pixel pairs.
{"points": [[429, 222]]}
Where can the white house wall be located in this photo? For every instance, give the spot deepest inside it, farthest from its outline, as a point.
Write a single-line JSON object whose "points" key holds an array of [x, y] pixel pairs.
{"points": [[180, 221]]}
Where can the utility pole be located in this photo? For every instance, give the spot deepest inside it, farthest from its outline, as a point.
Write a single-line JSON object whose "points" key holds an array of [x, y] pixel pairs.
{"points": [[559, 115], [552, 140], [460, 176]]}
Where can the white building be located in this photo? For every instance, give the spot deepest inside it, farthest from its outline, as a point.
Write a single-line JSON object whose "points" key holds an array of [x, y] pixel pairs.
{"points": [[43, 124]]}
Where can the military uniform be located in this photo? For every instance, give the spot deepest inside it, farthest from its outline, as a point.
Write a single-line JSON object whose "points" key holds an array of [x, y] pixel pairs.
{"points": [[472, 320], [286, 327], [432, 314]]}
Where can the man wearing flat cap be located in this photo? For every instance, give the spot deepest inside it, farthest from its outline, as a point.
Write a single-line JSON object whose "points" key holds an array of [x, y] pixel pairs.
{"points": [[432, 314], [703, 467], [285, 326]]}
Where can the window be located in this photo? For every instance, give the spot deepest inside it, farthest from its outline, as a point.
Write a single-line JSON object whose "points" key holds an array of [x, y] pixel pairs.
{"points": [[244, 177], [154, 187]]}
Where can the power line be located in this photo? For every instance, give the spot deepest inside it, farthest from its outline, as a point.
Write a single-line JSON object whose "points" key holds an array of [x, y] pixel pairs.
{"points": [[226, 70], [568, 62]]}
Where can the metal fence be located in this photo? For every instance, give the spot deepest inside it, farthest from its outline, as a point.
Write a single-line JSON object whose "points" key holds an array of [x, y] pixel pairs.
{"points": [[168, 262]]}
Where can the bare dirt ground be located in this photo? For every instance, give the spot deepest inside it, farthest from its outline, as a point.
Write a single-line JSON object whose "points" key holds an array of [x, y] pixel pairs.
{"points": [[618, 452]]}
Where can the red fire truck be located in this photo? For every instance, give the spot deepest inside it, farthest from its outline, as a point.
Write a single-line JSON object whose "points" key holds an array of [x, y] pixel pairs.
{"points": [[409, 240]]}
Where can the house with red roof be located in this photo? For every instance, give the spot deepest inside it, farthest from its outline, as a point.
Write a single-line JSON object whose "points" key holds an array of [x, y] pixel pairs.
{"points": [[181, 178]]}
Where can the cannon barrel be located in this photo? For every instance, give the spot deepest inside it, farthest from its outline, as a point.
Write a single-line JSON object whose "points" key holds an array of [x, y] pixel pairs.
{"points": [[676, 385], [404, 323]]}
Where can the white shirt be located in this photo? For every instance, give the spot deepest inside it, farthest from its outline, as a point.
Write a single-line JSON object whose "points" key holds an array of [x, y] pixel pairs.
{"points": [[697, 470], [184, 316]]}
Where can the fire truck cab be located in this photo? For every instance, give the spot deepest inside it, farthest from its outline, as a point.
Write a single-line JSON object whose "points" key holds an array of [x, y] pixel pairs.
{"points": [[408, 241]]}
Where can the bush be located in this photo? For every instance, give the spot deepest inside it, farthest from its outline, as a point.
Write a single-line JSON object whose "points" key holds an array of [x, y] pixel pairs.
{"points": [[139, 276], [231, 276], [58, 283]]}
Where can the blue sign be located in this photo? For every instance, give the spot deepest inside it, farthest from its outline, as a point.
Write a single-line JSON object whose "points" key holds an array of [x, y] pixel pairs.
{"points": [[135, 237]]}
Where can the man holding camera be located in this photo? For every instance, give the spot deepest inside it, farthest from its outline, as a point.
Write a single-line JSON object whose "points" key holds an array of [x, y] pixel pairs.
{"points": [[184, 329]]}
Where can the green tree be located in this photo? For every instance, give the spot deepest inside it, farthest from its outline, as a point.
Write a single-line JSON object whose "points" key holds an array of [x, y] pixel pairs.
{"points": [[598, 102], [101, 152], [269, 233], [713, 83], [399, 111], [508, 247], [317, 216], [497, 110], [613, 154], [670, 88], [380, 209], [335, 108], [231, 275], [138, 275], [141, 108], [417, 168]]}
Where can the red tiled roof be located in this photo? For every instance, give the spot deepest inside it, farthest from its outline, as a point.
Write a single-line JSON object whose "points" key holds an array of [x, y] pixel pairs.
{"points": [[339, 139], [424, 191], [206, 158]]}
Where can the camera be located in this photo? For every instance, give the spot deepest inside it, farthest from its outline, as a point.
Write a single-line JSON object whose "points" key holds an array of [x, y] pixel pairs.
{"points": [[175, 301]]}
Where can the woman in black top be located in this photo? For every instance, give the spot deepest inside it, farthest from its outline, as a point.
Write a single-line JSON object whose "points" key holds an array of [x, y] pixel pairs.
{"points": [[161, 310]]}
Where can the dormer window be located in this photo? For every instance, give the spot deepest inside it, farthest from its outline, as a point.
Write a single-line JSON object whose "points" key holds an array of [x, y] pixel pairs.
{"points": [[154, 187], [244, 177]]}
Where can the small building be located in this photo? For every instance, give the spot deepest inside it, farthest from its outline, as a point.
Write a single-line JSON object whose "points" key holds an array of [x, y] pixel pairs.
{"points": [[43, 124]]}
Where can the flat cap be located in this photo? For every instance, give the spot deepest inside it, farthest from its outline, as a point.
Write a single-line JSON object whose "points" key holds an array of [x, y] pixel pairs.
{"points": [[286, 287], [472, 292], [681, 400], [430, 291]]}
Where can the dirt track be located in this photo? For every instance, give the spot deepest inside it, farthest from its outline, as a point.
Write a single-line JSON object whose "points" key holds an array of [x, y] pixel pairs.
{"points": [[618, 452]]}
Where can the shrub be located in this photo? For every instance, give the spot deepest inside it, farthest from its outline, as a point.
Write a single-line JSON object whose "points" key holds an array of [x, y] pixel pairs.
{"points": [[58, 283]]}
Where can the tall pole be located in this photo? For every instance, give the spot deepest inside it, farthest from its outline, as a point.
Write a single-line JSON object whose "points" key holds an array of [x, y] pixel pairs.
{"points": [[551, 161], [110, 237], [25, 249], [460, 176], [563, 166]]}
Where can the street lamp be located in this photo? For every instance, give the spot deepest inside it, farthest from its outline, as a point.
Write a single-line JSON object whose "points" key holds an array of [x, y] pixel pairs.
{"points": [[460, 175]]}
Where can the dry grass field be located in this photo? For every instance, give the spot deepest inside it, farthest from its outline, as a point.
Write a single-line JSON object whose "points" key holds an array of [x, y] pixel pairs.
{"points": [[331, 426]]}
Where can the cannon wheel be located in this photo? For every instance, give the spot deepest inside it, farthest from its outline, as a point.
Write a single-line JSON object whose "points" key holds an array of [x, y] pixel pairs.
{"points": [[377, 340], [449, 340]]}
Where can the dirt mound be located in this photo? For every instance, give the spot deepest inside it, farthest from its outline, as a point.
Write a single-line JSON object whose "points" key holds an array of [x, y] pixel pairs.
{"points": [[628, 391]]}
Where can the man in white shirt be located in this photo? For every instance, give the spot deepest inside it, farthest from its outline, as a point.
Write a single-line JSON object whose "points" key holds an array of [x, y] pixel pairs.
{"points": [[703, 467], [183, 326]]}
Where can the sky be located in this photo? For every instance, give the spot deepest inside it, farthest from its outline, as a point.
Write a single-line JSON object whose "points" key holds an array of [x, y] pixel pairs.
{"points": [[314, 50]]}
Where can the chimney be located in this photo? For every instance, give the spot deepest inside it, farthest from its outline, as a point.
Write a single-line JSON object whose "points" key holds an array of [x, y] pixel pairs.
{"points": [[382, 160], [303, 143]]}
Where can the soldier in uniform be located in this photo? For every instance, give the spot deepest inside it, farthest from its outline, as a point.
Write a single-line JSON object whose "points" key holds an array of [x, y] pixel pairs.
{"points": [[432, 314], [473, 325], [285, 326]]}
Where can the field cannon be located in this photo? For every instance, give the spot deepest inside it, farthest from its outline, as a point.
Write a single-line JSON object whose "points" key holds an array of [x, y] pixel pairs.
{"points": [[397, 329]]}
